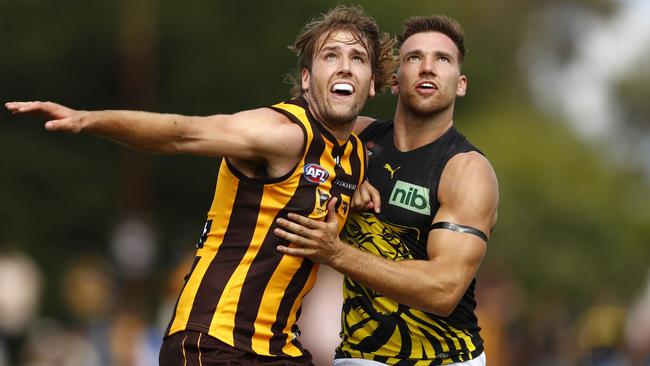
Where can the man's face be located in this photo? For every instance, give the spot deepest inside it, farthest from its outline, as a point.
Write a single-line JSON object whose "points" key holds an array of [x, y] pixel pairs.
{"points": [[429, 78], [340, 80]]}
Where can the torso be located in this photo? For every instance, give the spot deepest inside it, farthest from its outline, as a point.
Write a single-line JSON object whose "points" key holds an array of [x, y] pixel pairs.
{"points": [[241, 290], [379, 328]]}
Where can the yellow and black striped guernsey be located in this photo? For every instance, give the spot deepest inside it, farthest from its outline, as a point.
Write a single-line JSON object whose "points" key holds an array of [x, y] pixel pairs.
{"points": [[375, 327], [241, 290]]}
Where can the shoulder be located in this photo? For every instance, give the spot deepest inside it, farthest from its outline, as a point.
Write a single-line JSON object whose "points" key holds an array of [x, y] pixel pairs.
{"points": [[471, 167], [469, 160], [266, 120], [469, 177], [265, 131], [361, 123]]}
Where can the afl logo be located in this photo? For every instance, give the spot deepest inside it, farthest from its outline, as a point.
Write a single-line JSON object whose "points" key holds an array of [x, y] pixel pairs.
{"points": [[315, 173]]}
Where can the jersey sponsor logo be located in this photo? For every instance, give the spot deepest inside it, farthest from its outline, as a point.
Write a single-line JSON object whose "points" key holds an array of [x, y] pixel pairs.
{"points": [[344, 184], [391, 170], [411, 197], [315, 173]]}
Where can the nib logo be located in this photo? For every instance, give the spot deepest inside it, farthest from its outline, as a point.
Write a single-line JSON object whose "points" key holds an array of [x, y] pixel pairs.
{"points": [[411, 197]]}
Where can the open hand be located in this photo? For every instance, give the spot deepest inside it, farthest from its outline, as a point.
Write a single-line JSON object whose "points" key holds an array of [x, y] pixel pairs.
{"points": [[316, 240], [59, 118]]}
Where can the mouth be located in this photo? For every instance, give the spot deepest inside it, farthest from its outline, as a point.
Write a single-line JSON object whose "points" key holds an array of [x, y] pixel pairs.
{"points": [[427, 86], [342, 89]]}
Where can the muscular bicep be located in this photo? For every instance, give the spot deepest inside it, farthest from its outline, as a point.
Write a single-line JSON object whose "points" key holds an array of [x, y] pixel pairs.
{"points": [[468, 197], [256, 135], [468, 193], [457, 256]]}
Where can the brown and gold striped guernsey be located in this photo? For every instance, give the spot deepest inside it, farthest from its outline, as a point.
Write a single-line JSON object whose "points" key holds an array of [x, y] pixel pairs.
{"points": [[241, 290]]}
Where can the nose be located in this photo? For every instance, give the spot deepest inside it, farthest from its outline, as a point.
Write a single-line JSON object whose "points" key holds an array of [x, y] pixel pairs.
{"points": [[427, 67], [345, 68]]}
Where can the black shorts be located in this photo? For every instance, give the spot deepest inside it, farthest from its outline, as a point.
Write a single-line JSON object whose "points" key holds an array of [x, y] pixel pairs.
{"points": [[190, 348]]}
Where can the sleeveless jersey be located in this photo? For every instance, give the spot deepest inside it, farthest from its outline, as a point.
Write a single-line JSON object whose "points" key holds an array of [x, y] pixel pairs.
{"points": [[240, 289], [373, 326]]}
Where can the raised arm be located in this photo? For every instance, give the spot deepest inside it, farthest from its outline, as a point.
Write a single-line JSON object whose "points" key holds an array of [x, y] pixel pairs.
{"points": [[468, 195], [255, 135]]}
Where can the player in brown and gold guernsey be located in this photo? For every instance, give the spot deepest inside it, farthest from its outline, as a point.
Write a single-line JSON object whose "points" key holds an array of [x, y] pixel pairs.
{"points": [[241, 299]]}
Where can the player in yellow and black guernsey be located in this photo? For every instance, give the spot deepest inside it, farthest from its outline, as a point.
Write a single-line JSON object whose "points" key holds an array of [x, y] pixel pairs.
{"points": [[409, 273], [240, 301]]}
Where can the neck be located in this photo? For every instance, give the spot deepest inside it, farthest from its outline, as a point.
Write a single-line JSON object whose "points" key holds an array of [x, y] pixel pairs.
{"points": [[413, 130], [339, 129]]}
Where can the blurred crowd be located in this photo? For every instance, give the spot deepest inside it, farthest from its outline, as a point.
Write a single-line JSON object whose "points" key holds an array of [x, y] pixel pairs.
{"points": [[107, 321]]}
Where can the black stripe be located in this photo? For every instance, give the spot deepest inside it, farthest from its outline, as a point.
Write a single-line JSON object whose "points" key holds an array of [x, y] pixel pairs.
{"points": [[341, 176], [449, 337], [433, 324], [380, 336], [459, 228], [406, 340], [268, 258], [437, 347], [233, 248]]}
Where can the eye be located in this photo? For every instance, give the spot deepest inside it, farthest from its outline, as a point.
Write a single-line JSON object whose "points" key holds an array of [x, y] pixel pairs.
{"points": [[413, 58], [331, 57], [358, 59], [444, 59]]}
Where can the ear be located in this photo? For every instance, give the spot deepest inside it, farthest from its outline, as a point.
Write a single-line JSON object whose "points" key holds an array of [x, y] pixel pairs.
{"points": [[394, 87], [461, 89], [305, 77], [372, 92]]}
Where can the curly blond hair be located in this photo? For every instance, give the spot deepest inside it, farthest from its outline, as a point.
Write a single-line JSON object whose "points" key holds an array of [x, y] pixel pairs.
{"points": [[380, 45]]}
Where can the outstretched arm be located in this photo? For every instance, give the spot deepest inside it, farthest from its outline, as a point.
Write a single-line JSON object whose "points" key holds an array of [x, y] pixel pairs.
{"points": [[468, 195], [255, 135]]}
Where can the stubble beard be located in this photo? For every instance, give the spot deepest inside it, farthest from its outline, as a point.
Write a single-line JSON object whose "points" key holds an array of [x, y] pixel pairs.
{"points": [[427, 106], [343, 115], [331, 115]]}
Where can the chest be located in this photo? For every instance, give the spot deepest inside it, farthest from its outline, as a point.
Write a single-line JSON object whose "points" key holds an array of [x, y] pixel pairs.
{"points": [[407, 182]]}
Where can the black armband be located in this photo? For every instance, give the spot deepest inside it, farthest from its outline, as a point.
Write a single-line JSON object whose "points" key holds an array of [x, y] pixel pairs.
{"points": [[460, 228]]}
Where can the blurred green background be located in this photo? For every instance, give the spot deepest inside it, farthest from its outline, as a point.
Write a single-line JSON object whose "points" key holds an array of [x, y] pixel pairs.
{"points": [[558, 100]]}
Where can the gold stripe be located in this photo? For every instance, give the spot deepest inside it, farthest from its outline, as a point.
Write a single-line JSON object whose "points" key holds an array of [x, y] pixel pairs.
{"points": [[220, 213], [289, 348], [283, 273], [345, 159], [274, 198], [363, 158], [271, 300]]}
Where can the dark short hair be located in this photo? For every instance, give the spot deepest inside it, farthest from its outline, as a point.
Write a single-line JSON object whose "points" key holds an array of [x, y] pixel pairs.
{"points": [[365, 31], [435, 23]]}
